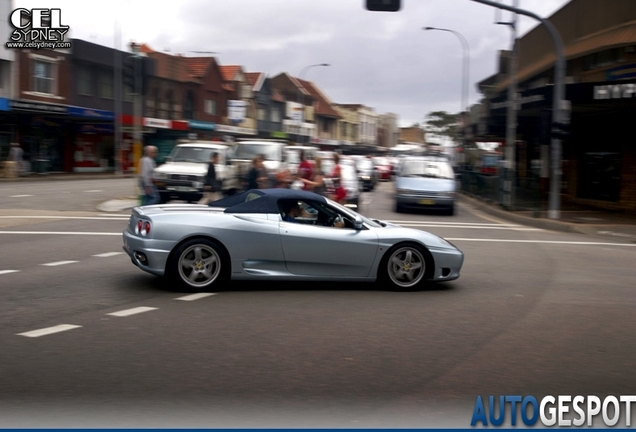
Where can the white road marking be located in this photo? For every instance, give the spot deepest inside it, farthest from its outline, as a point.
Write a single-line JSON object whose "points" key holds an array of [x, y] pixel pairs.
{"points": [[472, 227], [132, 311], [581, 243], [93, 191], [8, 271], [59, 263], [61, 233], [66, 217], [113, 215], [195, 296], [107, 254], [49, 330], [452, 223], [19, 196]]}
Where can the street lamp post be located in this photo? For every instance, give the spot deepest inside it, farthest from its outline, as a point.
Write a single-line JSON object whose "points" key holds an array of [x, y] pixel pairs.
{"points": [[465, 75], [301, 76]]}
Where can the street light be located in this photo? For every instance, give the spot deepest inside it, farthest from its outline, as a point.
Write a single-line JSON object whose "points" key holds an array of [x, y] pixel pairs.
{"points": [[302, 95], [465, 72]]}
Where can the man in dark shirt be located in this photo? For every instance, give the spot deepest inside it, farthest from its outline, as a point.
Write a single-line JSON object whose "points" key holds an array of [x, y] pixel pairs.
{"points": [[211, 188], [291, 211]]}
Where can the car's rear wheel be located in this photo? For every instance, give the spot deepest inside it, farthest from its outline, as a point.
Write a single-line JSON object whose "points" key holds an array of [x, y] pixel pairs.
{"points": [[199, 264], [404, 267]]}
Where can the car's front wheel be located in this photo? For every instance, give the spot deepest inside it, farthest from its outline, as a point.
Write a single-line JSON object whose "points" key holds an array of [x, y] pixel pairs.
{"points": [[199, 264], [404, 267]]}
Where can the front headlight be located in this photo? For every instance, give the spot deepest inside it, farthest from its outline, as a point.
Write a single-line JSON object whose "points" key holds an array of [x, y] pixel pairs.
{"points": [[161, 176]]}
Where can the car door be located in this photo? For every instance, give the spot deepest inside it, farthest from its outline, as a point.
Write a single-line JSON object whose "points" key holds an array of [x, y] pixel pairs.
{"points": [[325, 251]]}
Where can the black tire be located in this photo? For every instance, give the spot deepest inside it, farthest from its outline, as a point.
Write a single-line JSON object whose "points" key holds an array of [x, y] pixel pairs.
{"points": [[398, 208], [451, 210], [163, 198], [405, 267], [199, 264]]}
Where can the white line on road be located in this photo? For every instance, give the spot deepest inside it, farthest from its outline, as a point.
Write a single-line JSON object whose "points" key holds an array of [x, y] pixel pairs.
{"points": [[93, 191], [541, 242], [19, 196], [195, 296], [472, 227], [107, 254], [132, 311], [65, 217], [8, 271], [59, 263], [61, 233], [452, 223], [49, 330]]}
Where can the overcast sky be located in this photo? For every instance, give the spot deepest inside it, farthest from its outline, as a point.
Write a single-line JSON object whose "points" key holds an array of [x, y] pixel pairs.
{"points": [[379, 59]]}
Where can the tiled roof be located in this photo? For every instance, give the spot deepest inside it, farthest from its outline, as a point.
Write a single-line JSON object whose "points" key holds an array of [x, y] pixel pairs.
{"points": [[323, 105], [197, 66], [277, 96], [229, 72], [169, 66], [252, 77]]}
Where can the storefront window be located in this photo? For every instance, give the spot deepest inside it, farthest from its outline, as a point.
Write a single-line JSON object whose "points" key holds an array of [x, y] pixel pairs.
{"points": [[106, 85], [85, 81]]}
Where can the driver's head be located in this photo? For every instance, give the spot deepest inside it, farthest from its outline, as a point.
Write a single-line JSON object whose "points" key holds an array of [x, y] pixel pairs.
{"points": [[291, 208]]}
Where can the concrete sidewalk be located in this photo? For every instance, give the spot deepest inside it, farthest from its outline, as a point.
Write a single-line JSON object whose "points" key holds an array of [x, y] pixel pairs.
{"points": [[616, 225]]}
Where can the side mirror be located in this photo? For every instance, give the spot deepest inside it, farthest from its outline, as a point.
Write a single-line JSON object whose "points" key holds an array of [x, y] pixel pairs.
{"points": [[357, 223]]}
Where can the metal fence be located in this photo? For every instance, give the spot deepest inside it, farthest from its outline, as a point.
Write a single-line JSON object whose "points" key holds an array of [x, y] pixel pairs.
{"points": [[528, 194]]}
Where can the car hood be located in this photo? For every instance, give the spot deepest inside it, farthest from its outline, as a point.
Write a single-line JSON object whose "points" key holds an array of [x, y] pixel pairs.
{"points": [[393, 233], [183, 168], [425, 184]]}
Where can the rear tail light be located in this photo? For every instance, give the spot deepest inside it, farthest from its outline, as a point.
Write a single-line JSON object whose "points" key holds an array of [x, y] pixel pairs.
{"points": [[142, 228]]}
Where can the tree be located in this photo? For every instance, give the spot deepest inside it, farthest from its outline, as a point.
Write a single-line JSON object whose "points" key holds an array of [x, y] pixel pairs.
{"points": [[443, 126]]}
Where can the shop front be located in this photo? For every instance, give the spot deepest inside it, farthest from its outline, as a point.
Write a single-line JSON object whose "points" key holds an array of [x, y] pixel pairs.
{"points": [[93, 144]]}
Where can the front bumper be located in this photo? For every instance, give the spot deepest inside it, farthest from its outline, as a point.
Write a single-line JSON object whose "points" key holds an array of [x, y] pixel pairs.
{"points": [[408, 200], [448, 264]]}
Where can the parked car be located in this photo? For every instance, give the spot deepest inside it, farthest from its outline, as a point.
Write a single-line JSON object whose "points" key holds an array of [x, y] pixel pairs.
{"points": [[425, 182], [244, 237], [245, 150], [182, 176], [384, 167]]}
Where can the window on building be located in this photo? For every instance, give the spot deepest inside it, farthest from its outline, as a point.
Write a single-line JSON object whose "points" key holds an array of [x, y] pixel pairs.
{"points": [[261, 113], [188, 105], [170, 99], [128, 93], [43, 76], [325, 126], [85, 80], [210, 106], [106, 84], [275, 115]]}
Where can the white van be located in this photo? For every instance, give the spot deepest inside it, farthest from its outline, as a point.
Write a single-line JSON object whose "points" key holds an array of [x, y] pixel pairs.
{"points": [[183, 175]]}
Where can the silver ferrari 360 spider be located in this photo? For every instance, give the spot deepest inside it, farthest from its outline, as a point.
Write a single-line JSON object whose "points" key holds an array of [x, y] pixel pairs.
{"points": [[282, 234]]}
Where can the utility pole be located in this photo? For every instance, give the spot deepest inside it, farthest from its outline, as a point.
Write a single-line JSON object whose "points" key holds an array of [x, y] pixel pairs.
{"points": [[559, 106], [137, 108], [117, 70], [510, 164]]}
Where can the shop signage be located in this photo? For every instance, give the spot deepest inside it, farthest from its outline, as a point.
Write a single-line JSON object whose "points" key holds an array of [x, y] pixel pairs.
{"points": [[4, 104], [235, 130], [157, 123], [615, 91], [197, 124], [236, 110], [90, 113], [42, 107], [95, 129], [278, 134]]}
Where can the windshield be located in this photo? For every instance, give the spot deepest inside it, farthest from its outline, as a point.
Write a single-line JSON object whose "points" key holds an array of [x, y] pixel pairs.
{"points": [[422, 168], [196, 154], [270, 152], [352, 213]]}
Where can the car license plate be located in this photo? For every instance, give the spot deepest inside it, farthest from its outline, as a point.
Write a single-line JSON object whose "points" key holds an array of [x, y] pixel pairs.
{"points": [[426, 202]]}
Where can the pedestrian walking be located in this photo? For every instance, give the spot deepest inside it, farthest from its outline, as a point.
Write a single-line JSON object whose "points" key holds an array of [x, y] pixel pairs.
{"points": [[16, 159], [212, 188], [147, 165]]}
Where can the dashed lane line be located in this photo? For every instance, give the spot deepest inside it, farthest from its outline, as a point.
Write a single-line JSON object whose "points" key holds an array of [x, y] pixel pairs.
{"points": [[195, 296], [133, 311], [49, 330], [21, 217], [108, 254], [61, 233], [8, 271], [59, 263], [19, 196]]}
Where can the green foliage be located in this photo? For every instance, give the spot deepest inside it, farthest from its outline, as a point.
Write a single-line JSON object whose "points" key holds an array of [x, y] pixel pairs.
{"points": [[443, 125]]}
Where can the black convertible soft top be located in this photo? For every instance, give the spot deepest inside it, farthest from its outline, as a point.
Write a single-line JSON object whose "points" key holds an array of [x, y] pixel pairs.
{"points": [[263, 200]]}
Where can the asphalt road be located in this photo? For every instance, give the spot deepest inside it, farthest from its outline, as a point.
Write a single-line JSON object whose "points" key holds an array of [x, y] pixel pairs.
{"points": [[535, 312]]}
